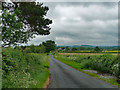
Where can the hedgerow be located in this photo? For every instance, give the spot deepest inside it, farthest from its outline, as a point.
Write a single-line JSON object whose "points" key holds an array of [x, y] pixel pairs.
{"points": [[19, 68]]}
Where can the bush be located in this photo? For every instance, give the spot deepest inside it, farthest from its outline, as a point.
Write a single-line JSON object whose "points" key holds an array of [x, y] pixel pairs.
{"points": [[19, 68], [35, 49]]}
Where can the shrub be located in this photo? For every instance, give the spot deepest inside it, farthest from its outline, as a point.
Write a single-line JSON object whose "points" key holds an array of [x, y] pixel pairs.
{"points": [[106, 63], [19, 68]]}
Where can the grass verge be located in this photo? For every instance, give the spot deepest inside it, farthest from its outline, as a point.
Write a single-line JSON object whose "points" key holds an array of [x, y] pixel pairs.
{"points": [[77, 66], [41, 76], [24, 70]]}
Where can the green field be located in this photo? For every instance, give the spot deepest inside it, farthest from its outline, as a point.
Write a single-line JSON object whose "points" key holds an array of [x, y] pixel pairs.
{"points": [[106, 63], [24, 70]]}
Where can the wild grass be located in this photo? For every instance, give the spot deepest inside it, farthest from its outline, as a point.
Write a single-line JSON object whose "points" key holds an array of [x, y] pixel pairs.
{"points": [[23, 70]]}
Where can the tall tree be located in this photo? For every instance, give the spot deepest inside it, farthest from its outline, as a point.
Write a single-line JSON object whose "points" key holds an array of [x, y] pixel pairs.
{"points": [[67, 48], [22, 21], [97, 49], [49, 45], [34, 15], [74, 49]]}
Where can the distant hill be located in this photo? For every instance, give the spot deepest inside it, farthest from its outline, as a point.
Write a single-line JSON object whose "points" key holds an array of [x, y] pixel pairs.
{"points": [[87, 46], [91, 46], [109, 47]]}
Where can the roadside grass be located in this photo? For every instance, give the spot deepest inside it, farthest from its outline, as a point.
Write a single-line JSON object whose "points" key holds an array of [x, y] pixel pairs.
{"points": [[24, 70], [40, 78], [76, 65], [41, 74]]}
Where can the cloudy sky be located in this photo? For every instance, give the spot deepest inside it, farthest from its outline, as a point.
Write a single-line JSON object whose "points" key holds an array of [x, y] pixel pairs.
{"points": [[82, 23]]}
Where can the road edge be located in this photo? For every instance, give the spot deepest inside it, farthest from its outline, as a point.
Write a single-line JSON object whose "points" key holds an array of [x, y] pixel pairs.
{"points": [[47, 82], [90, 74]]}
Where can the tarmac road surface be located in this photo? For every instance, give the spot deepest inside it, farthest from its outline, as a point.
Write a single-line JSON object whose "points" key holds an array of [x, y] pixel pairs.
{"points": [[64, 76]]}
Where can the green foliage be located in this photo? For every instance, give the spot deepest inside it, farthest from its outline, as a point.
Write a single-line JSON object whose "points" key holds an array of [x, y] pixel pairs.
{"points": [[21, 69], [45, 47], [67, 48], [34, 13], [32, 48], [12, 29], [27, 50], [106, 63], [40, 49], [35, 49], [97, 49], [49, 45], [23, 21], [74, 49], [81, 48]]}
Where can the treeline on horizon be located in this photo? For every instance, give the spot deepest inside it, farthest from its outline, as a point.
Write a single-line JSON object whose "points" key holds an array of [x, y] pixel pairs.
{"points": [[49, 45], [44, 47], [95, 49]]}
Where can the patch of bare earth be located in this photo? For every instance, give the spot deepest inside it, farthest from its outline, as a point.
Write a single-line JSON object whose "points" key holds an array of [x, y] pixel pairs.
{"points": [[46, 83]]}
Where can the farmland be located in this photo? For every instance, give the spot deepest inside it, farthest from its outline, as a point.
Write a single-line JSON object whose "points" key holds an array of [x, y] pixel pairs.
{"points": [[85, 53], [102, 63]]}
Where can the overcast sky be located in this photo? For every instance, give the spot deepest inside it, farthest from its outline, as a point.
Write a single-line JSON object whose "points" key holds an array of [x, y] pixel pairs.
{"points": [[82, 23]]}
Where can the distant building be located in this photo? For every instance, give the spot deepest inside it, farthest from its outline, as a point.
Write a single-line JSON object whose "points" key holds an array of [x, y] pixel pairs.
{"points": [[61, 49]]}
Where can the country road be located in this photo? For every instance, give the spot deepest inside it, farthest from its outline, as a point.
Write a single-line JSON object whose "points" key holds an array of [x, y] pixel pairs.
{"points": [[63, 76]]}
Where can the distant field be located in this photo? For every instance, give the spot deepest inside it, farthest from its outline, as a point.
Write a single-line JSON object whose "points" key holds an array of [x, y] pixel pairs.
{"points": [[112, 51], [85, 53], [89, 51]]}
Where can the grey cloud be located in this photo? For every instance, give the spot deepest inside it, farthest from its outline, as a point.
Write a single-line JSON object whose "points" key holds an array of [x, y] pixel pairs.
{"points": [[82, 23]]}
